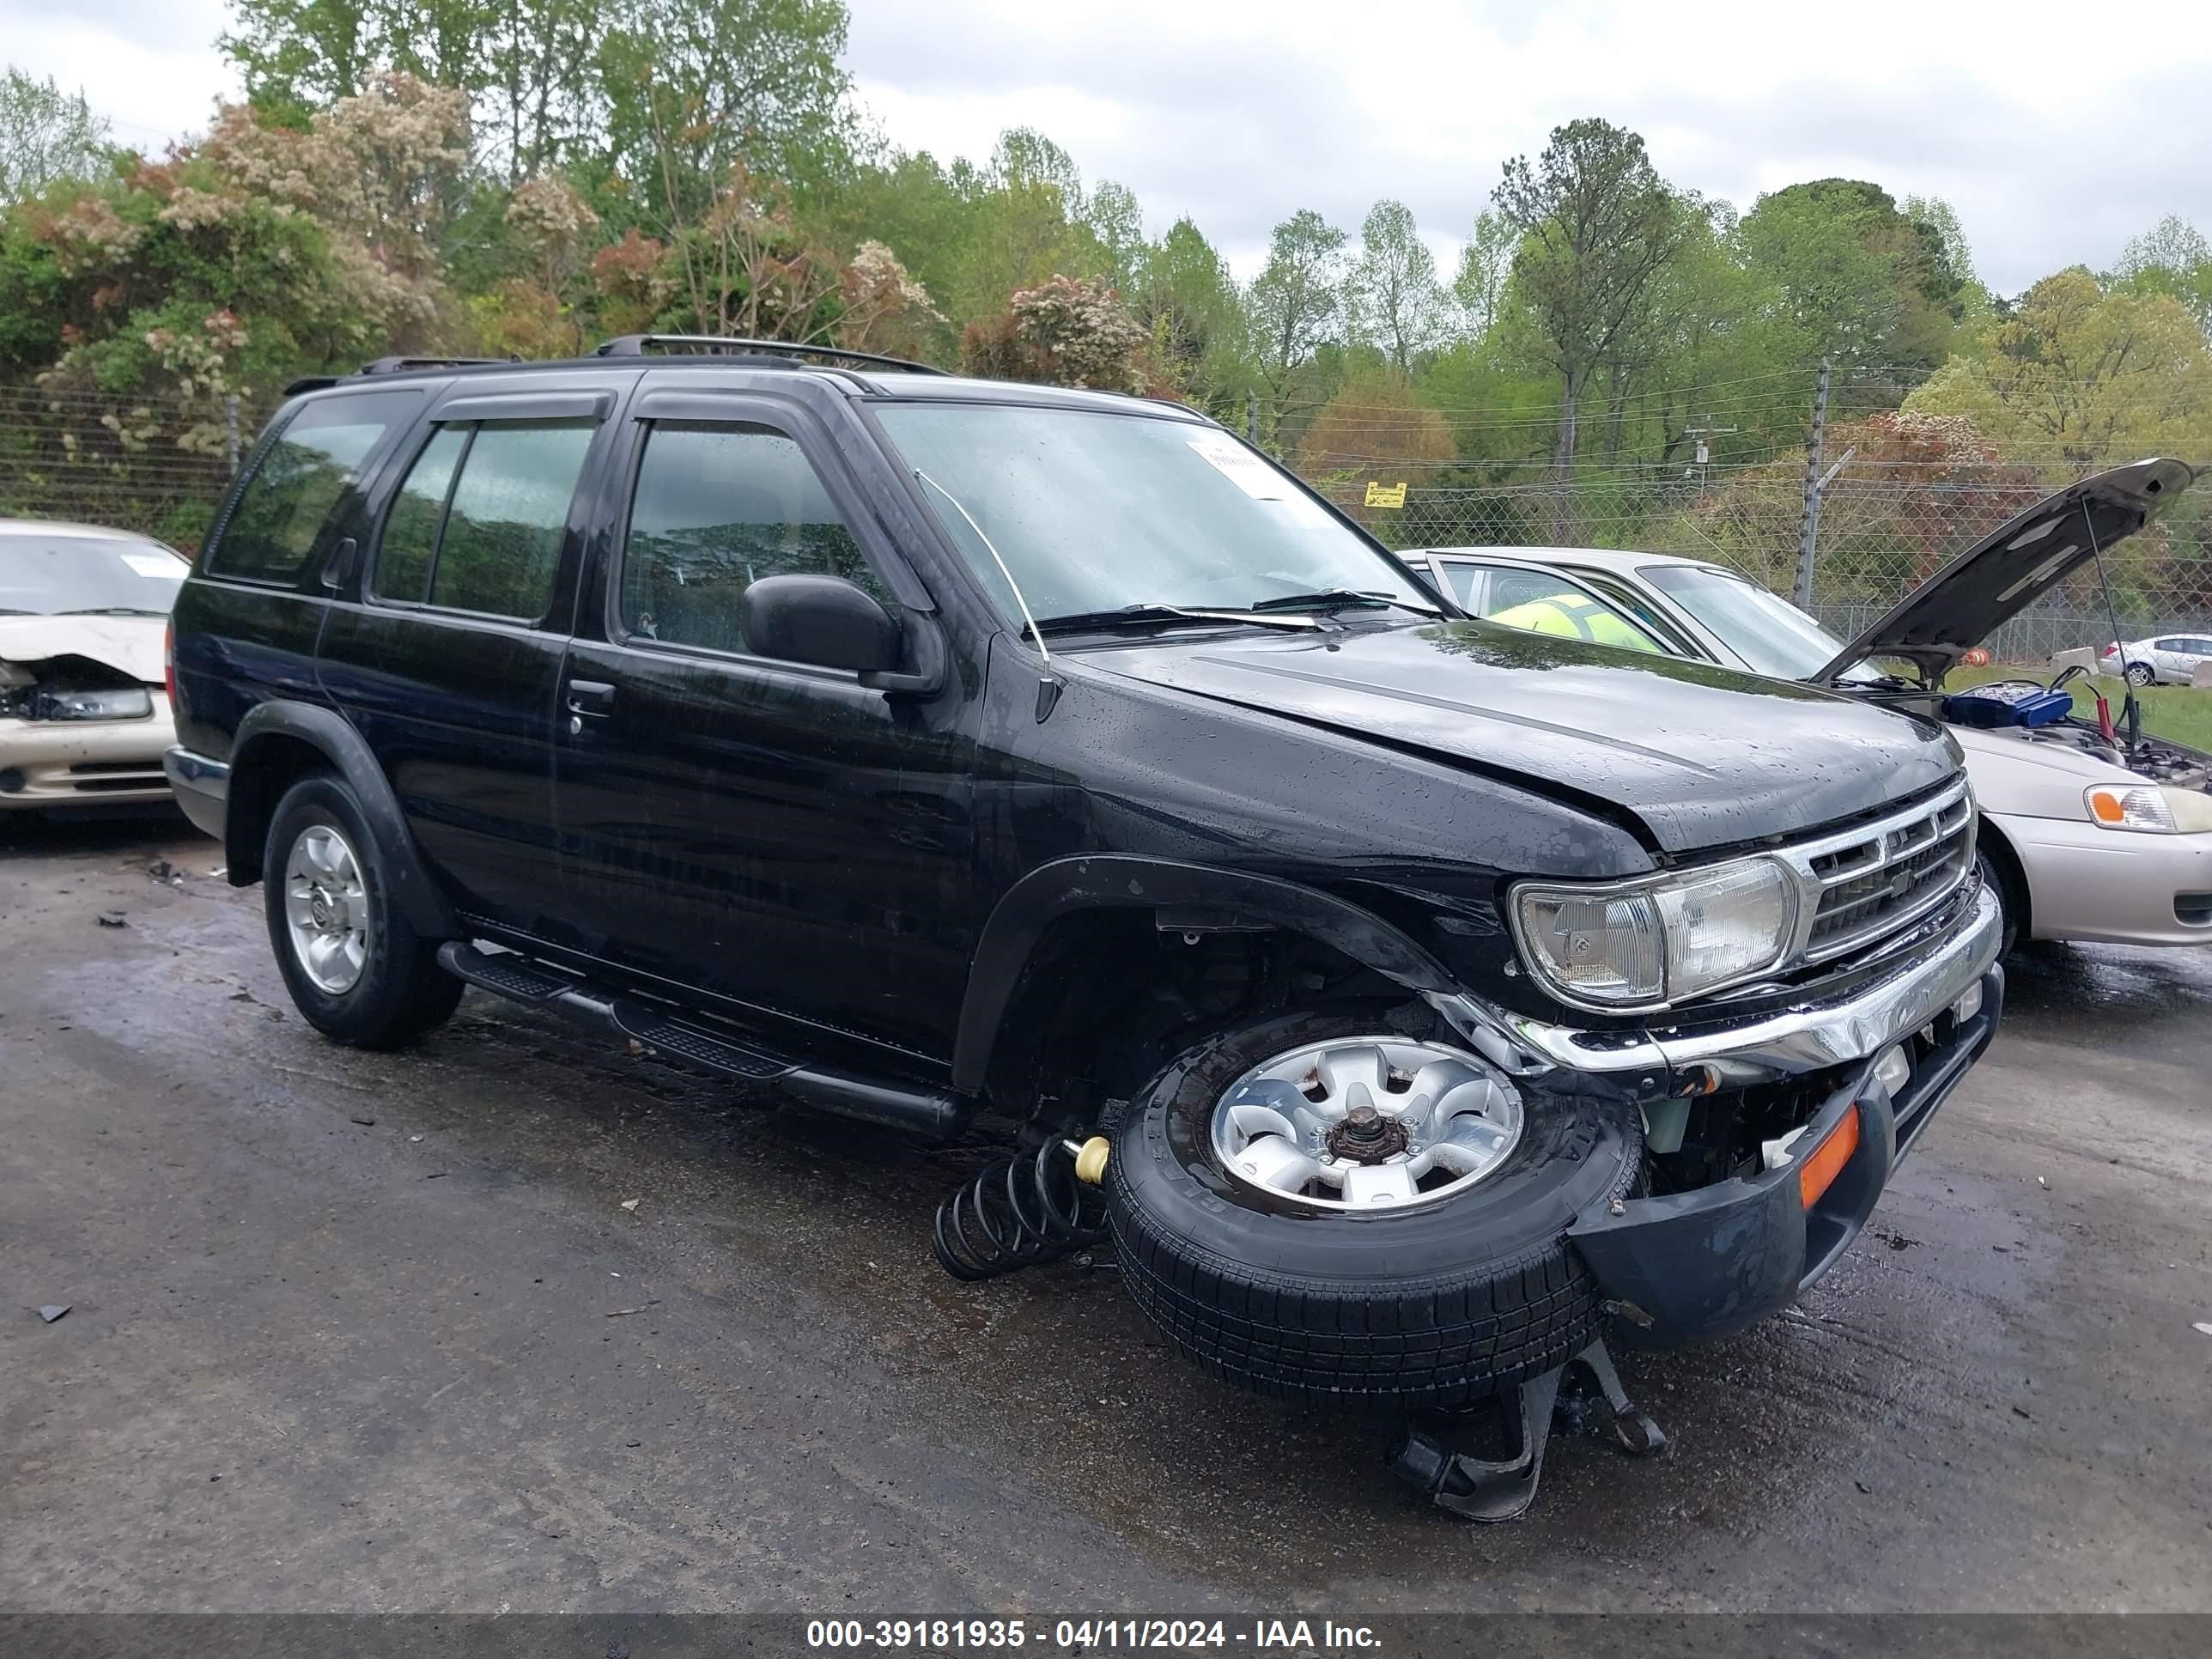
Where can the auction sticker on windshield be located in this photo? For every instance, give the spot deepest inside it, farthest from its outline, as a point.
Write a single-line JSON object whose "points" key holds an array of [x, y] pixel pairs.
{"points": [[1255, 476]]}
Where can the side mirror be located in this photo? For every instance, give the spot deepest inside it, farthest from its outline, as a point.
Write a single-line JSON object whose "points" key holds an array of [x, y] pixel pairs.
{"points": [[822, 620]]}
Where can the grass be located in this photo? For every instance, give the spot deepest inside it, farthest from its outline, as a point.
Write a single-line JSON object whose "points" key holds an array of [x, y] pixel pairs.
{"points": [[2180, 713]]}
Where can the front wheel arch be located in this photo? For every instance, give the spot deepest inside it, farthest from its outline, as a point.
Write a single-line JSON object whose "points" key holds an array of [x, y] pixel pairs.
{"points": [[1212, 901]]}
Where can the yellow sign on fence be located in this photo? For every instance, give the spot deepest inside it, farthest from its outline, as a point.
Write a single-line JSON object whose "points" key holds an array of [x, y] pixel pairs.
{"points": [[1386, 495]]}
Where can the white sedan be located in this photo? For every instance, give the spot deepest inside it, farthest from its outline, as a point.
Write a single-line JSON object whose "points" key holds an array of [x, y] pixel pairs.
{"points": [[84, 712], [2163, 660], [2085, 835]]}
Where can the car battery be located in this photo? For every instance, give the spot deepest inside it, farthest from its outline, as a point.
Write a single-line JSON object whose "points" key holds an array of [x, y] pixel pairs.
{"points": [[2008, 702]]}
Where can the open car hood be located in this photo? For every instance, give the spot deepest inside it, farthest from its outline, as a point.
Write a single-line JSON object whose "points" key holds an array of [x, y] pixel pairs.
{"points": [[2013, 567]]}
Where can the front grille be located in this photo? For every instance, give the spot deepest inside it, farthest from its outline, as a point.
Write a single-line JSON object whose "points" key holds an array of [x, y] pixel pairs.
{"points": [[1873, 882]]}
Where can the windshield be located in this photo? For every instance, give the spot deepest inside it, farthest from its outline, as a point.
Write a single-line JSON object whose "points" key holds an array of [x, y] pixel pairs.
{"points": [[49, 576], [1768, 632], [1095, 510]]}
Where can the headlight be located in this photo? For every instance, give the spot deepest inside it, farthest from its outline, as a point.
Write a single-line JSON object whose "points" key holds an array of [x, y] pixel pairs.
{"points": [[1640, 944], [2149, 806], [47, 703]]}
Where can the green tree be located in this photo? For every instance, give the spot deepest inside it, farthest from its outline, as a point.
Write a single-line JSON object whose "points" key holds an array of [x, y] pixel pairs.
{"points": [[1854, 279], [1294, 306], [693, 88], [1392, 293], [1597, 226], [540, 98], [1186, 300], [2172, 257], [46, 135], [2080, 376], [298, 56], [1485, 262]]}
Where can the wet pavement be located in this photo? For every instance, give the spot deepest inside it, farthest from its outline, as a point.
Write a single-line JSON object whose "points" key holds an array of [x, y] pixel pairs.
{"points": [[355, 1332]]}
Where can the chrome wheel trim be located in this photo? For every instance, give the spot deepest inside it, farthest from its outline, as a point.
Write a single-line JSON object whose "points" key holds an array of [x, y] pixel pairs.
{"points": [[1272, 1127], [326, 910]]}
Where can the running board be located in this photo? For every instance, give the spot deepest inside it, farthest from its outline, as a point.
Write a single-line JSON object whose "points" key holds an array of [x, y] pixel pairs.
{"points": [[891, 1104]]}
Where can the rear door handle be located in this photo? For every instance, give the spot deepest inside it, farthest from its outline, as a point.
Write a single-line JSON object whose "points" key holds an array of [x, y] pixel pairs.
{"points": [[593, 697]]}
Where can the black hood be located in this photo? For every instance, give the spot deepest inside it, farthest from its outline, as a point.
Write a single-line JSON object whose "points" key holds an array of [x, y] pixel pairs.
{"points": [[2013, 567], [1698, 756]]}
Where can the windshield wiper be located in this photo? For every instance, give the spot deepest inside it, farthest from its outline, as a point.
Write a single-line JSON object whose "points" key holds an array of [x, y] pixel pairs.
{"points": [[1153, 615], [110, 611], [1342, 599]]}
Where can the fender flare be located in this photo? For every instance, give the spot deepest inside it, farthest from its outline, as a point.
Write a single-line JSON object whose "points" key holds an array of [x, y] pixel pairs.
{"points": [[1220, 900], [419, 898]]}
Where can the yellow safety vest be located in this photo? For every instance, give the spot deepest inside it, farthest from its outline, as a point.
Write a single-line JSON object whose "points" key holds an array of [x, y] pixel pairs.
{"points": [[1574, 617]]}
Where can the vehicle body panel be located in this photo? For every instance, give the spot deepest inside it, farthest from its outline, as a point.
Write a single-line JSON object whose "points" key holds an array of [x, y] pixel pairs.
{"points": [[1674, 744]]}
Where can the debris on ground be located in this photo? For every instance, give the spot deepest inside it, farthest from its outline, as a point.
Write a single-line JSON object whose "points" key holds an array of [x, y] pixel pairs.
{"points": [[163, 870], [364, 1122], [629, 1203], [54, 1310], [624, 1313], [2204, 1327], [112, 918]]}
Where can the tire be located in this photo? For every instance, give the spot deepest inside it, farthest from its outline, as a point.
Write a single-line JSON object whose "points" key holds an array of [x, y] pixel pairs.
{"points": [[2011, 905], [382, 993], [1434, 1305], [2141, 674]]}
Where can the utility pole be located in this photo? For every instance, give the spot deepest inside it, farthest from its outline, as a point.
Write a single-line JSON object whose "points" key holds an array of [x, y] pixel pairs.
{"points": [[1252, 419], [1809, 526]]}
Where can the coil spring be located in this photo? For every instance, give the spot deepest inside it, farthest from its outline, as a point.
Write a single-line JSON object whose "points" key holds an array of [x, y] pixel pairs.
{"points": [[1022, 1213]]}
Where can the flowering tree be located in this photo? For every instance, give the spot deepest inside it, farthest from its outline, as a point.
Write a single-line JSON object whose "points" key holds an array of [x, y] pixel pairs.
{"points": [[1066, 332]]}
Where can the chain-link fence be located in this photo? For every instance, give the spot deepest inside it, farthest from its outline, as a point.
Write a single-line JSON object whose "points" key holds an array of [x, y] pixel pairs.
{"points": [[156, 464], [161, 465], [1876, 538]]}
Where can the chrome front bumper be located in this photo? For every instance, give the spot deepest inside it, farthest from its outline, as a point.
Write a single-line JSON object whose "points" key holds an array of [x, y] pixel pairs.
{"points": [[1808, 1036]]}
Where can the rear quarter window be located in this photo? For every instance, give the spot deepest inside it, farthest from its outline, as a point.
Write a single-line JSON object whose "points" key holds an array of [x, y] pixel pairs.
{"points": [[281, 518]]}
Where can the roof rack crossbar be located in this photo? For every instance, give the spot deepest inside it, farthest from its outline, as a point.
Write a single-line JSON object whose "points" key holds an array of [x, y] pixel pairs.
{"points": [[405, 364], [636, 345]]}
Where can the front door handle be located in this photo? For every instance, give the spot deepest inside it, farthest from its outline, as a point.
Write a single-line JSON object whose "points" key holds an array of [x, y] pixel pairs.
{"points": [[590, 697]]}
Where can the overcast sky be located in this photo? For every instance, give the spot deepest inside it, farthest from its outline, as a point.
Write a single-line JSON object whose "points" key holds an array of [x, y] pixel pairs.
{"points": [[2057, 131]]}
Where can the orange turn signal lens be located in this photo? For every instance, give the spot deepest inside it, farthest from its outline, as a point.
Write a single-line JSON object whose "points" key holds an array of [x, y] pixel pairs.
{"points": [[2106, 805], [1818, 1172]]}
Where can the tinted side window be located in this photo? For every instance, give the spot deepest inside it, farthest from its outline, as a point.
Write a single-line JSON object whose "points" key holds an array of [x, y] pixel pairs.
{"points": [[1465, 579], [419, 512], [278, 521], [509, 513], [716, 508]]}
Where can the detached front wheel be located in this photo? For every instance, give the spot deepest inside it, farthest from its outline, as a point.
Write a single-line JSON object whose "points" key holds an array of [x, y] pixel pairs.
{"points": [[1320, 1208]]}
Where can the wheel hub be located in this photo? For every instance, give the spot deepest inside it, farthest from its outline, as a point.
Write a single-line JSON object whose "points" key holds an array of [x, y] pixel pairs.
{"points": [[326, 911], [1366, 1123], [1366, 1136]]}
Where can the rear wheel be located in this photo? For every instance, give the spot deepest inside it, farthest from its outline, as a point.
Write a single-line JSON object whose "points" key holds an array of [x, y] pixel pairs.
{"points": [[2140, 673], [1322, 1207], [357, 972]]}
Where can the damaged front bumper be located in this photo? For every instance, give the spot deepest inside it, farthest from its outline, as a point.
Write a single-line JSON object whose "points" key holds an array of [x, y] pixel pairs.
{"points": [[1684, 1266], [85, 763]]}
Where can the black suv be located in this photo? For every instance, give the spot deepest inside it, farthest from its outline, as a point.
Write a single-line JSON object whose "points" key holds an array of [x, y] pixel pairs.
{"points": [[961, 757]]}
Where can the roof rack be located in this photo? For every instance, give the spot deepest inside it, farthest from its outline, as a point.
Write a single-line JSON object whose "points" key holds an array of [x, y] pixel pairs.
{"points": [[407, 365], [783, 351]]}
